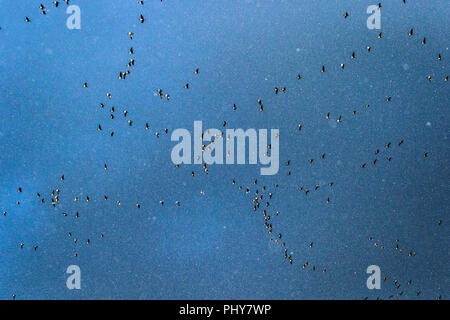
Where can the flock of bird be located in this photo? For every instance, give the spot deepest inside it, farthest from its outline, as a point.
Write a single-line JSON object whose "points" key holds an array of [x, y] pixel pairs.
{"points": [[259, 194]]}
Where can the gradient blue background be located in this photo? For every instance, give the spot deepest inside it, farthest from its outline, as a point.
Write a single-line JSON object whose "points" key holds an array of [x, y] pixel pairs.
{"points": [[214, 246]]}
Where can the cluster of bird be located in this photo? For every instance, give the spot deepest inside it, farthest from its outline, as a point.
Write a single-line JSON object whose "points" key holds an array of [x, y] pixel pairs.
{"points": [[396, 283], [388, 158], [339, 119], [43, 11], [377, 244], [314, 188], [122, 76], [262, 195], [55, 201], [260, 202]]}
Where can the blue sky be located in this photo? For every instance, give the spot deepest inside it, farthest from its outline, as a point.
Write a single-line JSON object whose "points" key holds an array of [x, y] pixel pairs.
{"points": [[214, 246]]}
